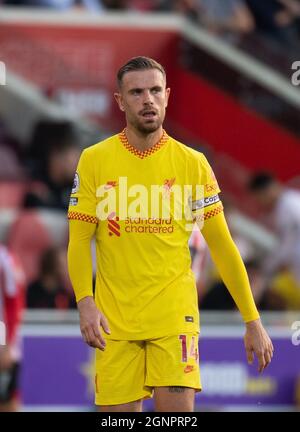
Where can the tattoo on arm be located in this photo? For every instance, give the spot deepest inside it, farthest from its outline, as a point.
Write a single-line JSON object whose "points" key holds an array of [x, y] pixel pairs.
{"points": [[176, 389]]}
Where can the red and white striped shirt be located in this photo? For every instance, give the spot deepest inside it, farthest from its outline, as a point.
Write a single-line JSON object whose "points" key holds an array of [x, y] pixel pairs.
{"points": [[12, 281]]}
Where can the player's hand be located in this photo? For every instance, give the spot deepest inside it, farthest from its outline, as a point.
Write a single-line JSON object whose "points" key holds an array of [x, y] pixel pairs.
{"points": [[91, 319], [257, 341]]}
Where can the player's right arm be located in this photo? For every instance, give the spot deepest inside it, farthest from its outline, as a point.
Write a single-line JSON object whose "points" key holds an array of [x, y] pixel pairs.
{"points": [[81, 275], [82, 227]]}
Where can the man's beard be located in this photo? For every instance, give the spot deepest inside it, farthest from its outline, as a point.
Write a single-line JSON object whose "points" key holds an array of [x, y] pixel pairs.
{"points": [[146, 129]]}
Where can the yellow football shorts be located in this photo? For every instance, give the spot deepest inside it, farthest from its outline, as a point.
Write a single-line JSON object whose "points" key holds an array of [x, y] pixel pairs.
{"points": [[128, 370]]}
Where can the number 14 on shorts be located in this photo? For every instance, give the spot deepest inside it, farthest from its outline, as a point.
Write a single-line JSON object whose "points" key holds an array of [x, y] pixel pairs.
{"points": [[189, 347]]}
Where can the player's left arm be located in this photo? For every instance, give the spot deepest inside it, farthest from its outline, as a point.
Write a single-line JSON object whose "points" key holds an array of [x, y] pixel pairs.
{"points": [[229, 263]]}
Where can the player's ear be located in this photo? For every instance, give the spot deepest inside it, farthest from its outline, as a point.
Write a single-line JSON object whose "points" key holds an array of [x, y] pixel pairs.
{"points": [[118, 98], [168, 91]]}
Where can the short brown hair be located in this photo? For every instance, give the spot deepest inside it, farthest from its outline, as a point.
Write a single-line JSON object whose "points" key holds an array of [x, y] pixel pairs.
{"points": [[139, 63]]}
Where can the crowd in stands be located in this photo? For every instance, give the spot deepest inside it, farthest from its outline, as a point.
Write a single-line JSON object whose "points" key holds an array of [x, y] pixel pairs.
{"points": [[272, 25], [35, 186], [276, 18]]}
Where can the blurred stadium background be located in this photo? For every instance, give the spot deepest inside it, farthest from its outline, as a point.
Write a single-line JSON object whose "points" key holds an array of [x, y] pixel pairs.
{"points": [[229, 64]]}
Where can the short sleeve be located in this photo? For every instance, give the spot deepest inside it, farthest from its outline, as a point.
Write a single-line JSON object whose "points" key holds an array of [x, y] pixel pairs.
{"points": [[206, 202], [82, 205]]}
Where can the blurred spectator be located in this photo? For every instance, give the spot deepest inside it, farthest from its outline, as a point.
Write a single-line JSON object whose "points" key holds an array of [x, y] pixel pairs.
{"points": [[49, 291], [231, 17], [290, 16], [282, 206], [219, 298], [115, 4], [11, 307], [276, 19], [291, 10], [94, 5], [224, 17], [52, 158], [286, 289]]}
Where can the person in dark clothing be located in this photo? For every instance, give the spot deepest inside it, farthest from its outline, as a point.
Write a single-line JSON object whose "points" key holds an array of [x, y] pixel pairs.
{"points": [[218, 297], [48, 291], [52, 159], [276, 19]]}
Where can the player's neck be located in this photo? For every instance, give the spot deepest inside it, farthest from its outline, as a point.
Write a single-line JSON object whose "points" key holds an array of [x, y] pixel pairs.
{"points": [[141, 141]]}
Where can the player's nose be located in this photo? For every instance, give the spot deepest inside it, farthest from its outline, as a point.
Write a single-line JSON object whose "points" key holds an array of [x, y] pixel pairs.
{"points": [[148, 99]]}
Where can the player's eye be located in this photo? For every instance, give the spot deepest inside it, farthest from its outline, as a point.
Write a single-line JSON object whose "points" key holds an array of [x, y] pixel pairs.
{"points": [[156, 90]]}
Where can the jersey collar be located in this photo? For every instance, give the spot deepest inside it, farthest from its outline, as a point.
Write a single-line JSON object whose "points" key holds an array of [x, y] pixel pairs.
{"points": [[145, 153]]}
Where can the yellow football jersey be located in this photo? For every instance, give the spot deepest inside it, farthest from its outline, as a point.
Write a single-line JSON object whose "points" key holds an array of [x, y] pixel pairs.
{"points": [[144, 205]]}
